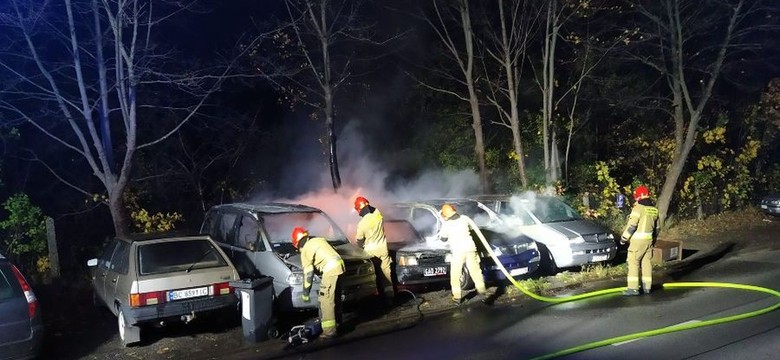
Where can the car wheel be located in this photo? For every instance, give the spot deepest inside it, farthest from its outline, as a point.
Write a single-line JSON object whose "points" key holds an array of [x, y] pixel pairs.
{"points": [[128, 334], [547, 261], [466, 284]]}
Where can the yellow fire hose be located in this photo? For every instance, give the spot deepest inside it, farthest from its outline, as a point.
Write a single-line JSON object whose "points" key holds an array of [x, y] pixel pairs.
{"points": [[641, 334]]}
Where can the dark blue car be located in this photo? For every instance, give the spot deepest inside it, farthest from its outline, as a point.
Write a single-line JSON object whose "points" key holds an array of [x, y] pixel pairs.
{"points": [[21, 327]]}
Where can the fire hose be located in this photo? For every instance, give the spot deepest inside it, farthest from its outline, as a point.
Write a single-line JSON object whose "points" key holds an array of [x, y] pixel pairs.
{"points": [[641, 334]]}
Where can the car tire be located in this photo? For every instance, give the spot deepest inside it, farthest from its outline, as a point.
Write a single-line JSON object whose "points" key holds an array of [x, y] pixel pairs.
{"points": [[126, 330], [466, 284], [547, 261]]}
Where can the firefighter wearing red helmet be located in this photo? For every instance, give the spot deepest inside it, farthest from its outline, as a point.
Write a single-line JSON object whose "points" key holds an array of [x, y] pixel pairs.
{"points": [[317, 256], [640, 232], [370, 236]]}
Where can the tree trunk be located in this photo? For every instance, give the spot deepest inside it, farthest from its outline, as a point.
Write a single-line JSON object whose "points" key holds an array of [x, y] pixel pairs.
{"points": [[116, 205], [479, 141], [333, 161]]}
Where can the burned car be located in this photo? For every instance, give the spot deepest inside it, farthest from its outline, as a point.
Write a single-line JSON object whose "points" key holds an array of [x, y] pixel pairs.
{"points": [[565, 238], [518, 253], [256, 237]]}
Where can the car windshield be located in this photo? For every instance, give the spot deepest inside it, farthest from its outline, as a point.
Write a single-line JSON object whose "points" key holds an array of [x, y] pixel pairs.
{"points": [[278, 228], [401, 232], [549, 210], [178, 255], [472, 210]]}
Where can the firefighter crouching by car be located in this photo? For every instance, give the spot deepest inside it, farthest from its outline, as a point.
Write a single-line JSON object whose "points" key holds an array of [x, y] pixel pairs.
{"points": [[640, 232], [370, 236], [318, 256], [456, 230]]}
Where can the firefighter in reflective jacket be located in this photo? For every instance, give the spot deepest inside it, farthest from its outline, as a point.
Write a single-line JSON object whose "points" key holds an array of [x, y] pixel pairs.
{"points": [[456, 230], [370, 236], [318, 256], [640, 232]]}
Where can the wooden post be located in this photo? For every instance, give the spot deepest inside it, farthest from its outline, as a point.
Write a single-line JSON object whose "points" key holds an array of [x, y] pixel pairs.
{"points": [[54, 258]]}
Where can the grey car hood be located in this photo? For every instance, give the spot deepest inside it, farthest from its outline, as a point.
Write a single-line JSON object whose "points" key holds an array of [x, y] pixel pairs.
{"points": [[578, 227], [346, 251]]}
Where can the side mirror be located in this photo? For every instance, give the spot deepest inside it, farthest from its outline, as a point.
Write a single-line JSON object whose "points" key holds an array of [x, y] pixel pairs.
{"points": [[92, 262]]}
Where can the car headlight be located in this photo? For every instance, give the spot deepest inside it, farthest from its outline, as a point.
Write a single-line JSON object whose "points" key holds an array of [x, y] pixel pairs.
{"points": [[577, 240], [497, 251], [407, 260], [610, 236], [448, 258], [533, 246], [775, 202]]}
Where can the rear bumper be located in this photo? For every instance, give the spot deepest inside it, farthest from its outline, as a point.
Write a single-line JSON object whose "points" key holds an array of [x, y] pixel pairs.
{"points": [[29, 348], [178, 308]]}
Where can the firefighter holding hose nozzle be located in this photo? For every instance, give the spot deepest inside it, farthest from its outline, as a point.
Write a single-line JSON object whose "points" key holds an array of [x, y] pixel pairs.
{"points": [[318, 256], [641, 232], [456, 230]]}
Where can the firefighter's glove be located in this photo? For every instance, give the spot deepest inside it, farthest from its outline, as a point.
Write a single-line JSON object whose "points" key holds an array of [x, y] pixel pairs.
{"points": [[305, 298], [623, 241]]}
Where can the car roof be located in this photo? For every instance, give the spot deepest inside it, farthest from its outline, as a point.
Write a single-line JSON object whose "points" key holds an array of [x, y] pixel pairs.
{"points": [[136, 237], [268, 208]]}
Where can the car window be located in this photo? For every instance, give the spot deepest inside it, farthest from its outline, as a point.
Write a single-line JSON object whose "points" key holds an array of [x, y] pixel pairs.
{"points": [[248, 234], [120, 262], [224, 231], [9, 287], [104, 261], [279, 226], [173, 256], [549, 210], [515, 215], [425, 222], [401, 232], [208, 223]]}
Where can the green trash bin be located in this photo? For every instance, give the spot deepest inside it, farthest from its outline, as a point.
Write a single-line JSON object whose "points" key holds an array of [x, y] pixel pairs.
{"points": [[256, 299]]}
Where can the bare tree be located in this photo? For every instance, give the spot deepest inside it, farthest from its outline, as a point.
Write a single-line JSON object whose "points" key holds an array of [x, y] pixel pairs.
{"points": [[510, 40], [688, 42], [452, 24], [86, 73], [317, 49]]}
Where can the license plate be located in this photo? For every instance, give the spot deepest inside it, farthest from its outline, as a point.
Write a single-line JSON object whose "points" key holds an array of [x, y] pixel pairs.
{"points": [[187, 293], [764, 206], [600, 257], [520, 271], [435, 271]]}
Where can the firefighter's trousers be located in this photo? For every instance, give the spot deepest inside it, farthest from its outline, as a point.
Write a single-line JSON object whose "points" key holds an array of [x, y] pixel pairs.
{"points": [[330, 301], [471, 259], [640, 253], [381, 260]]}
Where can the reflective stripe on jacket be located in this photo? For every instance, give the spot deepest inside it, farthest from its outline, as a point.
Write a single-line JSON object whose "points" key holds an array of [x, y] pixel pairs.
{"points": [[642, 223], [318, 255]]}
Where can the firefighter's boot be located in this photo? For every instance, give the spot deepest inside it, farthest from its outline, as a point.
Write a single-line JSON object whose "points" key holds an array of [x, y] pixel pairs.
{"points": [[631, 292]]}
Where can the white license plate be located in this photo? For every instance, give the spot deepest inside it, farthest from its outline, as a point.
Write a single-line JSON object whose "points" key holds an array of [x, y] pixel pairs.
{"points": [[520, 271], [600, 257], [764, 206], [435, 271], [187, 293]]}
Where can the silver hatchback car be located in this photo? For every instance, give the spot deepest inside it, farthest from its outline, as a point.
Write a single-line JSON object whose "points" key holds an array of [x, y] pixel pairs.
{"points": [[149, 278]]}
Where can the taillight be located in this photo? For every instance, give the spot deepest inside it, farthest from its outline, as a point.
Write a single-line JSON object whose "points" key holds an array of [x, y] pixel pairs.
{"points": [[32, 301], [145, 299], [222, 289]]}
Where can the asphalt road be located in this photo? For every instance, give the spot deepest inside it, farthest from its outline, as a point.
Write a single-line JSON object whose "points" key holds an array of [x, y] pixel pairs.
{"points": [[520, 332]]}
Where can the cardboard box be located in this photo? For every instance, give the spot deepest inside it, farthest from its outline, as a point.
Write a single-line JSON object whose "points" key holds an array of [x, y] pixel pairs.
{"points": [[664, 250]]}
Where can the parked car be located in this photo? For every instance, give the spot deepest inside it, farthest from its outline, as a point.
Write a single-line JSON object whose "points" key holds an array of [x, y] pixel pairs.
{"points": [[256, 237], [21, 327], [565, 238], [770, 204], [415, 263], [159, 278], [518, 253]]}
